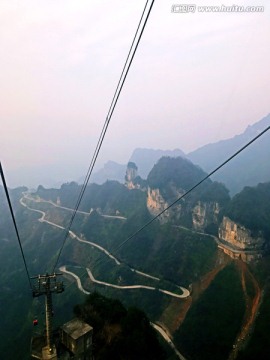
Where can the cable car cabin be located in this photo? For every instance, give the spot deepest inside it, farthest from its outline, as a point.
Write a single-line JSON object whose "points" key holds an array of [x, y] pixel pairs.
{"points": [[35, 322]]}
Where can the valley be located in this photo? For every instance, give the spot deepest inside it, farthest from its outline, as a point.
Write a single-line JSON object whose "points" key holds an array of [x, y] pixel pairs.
{"points": [[29, 201], [195, 271], [27, 197], [135, 180]]}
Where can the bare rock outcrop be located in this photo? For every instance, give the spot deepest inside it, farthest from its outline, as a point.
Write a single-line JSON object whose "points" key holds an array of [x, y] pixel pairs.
{"points": [[204, 213], [239, 237]]}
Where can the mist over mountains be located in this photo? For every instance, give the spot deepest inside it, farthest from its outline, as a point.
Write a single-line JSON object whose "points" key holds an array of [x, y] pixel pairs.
{"points": [[248, 169], [181, 248], [143, 158]]}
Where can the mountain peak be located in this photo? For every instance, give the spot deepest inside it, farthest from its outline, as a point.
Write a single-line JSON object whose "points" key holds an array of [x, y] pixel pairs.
{"points": [[248, 168], [258, 126]]}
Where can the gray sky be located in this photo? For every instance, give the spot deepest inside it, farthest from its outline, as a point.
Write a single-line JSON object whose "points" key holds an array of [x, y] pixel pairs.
{"points": [[196, 78]]}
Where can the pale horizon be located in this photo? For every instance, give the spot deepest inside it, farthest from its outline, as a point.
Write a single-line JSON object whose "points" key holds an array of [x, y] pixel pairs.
{"points": [[196, 78]]}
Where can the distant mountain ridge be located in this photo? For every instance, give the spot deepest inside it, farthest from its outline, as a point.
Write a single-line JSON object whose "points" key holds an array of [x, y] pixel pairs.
{"points": [[145, 159], [110, 171], [176, 251], [248, 169]]}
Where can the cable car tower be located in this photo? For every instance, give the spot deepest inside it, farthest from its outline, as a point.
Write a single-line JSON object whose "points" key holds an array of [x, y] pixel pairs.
{"points": [[46, 285]]}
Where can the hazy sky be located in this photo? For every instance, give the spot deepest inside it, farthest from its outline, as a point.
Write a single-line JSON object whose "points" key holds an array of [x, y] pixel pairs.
{"points": [[196, 78]]}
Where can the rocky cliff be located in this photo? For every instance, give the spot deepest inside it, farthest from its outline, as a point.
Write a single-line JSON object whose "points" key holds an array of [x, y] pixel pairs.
{"points": [[172, 177], [131, 174], [156, 204], [204, 214], [239, 237], [201, 215]]}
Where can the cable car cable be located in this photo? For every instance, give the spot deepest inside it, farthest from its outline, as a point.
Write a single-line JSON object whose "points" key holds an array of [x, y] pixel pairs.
{"points": [[105, 126], [86, 177], [112, 106], [14, 222], [182, 196], [193, 187]]}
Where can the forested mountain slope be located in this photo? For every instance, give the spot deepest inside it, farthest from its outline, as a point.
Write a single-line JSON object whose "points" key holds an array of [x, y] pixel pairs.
{"points": [[154, 269], [249, 168]]}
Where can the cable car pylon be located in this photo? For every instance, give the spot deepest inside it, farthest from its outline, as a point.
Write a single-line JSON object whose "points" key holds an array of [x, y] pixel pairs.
{"points": [[47, 285]]}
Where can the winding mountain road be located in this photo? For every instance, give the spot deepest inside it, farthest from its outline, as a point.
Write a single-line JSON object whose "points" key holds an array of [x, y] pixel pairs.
{"points": [[167, 338], [40, 200], [184, 295], [76, 277], [185, 292], [157, 327]]}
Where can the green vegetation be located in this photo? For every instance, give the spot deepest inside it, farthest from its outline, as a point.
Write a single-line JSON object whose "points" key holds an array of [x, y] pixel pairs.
{"points": [[110, 197], [132, 165], [177, 171], [251, 208], [212, 323], [213, 192], [178, 255], [40, 243], [119, 333], [175, 176], [258, 346]]}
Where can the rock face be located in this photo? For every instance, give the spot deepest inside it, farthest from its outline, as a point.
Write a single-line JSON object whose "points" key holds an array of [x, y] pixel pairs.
{"points": [[204, 214], [171, 178], [131, 174], [156, 204], [238, 237]]}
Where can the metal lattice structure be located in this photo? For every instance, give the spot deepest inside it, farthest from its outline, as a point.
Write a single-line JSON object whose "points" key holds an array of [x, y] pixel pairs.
{"points": [[47, 285]]}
